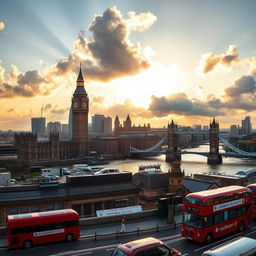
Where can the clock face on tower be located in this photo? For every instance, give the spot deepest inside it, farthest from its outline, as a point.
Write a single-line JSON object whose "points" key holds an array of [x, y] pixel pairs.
{"points": [[75, 105], [84, 105]]}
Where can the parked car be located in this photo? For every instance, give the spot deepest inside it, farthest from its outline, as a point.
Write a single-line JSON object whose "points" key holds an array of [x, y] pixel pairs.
{"points": [[65, 171], [107, 171], [52, 177], [145, 246], [13, 181]]}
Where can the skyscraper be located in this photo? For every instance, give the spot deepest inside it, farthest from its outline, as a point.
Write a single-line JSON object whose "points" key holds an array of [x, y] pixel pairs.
{"points": [[233, 130], [246, 126], [101, 125], [38, 126]]}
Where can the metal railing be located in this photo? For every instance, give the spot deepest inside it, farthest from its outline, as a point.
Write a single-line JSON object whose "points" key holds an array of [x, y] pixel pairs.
{"points": [[136, 231]]}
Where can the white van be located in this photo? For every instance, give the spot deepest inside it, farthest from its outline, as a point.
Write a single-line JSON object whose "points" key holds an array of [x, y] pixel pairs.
{"points": [[107, 171], [240, 246]]}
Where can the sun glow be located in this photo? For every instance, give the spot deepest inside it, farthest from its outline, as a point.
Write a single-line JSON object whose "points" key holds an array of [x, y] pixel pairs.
{"points": [[158, 80]]}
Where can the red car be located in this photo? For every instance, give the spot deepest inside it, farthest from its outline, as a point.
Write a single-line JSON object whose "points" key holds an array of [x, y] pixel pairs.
{"points": [[146, 246]]}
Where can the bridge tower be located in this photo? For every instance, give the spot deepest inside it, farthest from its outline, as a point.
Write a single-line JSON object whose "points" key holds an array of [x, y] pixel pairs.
{"points": [[172, 143], [214, 157]]}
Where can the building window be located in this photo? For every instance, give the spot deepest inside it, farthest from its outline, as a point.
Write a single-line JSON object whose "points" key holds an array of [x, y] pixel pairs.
{"points": [[88, 209], [131, 201], [77, 208], [121, 203], [60, 205], [35, 208], [97, 206], [50, 207], [107, 204], [13, 210], [24, 209]]}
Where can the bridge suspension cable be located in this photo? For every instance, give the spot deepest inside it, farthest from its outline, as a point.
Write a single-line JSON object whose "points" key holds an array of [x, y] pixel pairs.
{"points": [[155, 147], [235, 149]]}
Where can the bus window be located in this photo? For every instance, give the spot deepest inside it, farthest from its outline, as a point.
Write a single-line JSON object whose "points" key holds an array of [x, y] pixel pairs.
{"points": [[218, 218], [192, 200]]}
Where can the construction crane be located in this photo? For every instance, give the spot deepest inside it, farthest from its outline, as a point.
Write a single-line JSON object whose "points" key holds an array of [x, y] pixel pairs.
{"points": [[42, 109]]}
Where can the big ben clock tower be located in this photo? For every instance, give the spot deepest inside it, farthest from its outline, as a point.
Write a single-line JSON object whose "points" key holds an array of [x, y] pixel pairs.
{"points": [[80, 109]]}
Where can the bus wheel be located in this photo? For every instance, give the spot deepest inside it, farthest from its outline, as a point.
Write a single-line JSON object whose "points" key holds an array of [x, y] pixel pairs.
{"points": [[69, 237], [209, 238], [241, 226], [27, 244]]}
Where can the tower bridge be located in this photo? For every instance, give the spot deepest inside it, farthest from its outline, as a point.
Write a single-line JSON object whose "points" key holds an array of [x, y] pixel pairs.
{"points": [[172, 152]]}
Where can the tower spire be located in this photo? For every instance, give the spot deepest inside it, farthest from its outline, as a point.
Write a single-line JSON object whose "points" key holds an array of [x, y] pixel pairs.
{"points": [[80, 79], [80, 83]]}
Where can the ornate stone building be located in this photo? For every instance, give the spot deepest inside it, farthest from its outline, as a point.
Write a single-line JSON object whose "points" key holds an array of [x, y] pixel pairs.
{"points": [[128, 128]]}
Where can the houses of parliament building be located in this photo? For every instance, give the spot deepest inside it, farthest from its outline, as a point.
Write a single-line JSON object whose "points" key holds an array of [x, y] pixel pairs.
{"points": [[80, 144]]}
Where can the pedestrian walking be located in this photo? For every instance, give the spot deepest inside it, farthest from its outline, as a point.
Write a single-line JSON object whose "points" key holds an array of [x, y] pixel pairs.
{"points": [[123, 223]]}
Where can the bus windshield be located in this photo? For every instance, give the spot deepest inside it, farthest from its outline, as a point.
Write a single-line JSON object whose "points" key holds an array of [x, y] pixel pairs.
{"points": [[193, 220]]}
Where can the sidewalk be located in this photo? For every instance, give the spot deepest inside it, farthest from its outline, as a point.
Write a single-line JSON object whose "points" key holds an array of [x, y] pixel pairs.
{"points": [[131, 225], [111, 228]]}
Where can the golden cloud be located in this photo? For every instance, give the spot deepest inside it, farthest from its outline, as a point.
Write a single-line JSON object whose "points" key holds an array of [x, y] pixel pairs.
{"points": [[209, 61]]}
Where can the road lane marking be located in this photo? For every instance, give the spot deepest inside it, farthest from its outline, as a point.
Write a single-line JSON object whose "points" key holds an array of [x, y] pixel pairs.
{"points": [[174, 240], [250, 232], [217, 242]]}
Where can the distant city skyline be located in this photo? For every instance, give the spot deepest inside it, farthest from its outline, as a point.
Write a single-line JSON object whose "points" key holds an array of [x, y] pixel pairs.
{"points": [[155, 60]]}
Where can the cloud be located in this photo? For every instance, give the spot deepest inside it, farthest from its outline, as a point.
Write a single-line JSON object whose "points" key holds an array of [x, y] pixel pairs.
{"points": [[242, 94], [119, 109], [140, 22], [180, 104], [109, 54], [209, 61], [29, 84], [47, 107], [59, 111], [244, 85], [2, 25], [98, 100]]}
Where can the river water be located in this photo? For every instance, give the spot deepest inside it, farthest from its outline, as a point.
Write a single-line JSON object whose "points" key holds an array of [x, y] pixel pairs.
{"points": [[190, 163]]}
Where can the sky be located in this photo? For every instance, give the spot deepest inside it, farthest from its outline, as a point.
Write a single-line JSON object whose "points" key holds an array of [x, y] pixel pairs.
{"points": [[186, 60]]}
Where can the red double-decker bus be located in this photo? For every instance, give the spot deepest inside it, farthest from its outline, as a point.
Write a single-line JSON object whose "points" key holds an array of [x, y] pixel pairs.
{"points": [[214, 213], [25, 230], [252, 187]]}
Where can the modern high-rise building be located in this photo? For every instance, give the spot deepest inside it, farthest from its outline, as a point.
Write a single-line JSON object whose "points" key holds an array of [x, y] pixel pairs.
{"points": [[53, 127], [101, 125], [38, 126], [64, 130], [233, 130], [246, 126]]}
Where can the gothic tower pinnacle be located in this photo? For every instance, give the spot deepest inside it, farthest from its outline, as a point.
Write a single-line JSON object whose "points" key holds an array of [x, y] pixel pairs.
{"points": [[80, 109]]}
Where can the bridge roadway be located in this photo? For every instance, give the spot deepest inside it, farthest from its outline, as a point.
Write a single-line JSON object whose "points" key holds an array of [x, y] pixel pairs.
{"points": [[104, 245]]}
